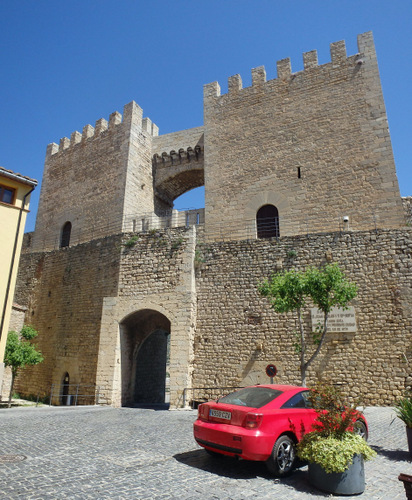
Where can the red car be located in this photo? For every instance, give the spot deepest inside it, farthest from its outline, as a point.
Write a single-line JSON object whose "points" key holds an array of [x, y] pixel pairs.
{"points": [[263, 423]]}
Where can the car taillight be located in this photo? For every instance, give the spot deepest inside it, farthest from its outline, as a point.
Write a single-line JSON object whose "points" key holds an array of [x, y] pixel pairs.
{"points": [[203, 412], [252, 420]]}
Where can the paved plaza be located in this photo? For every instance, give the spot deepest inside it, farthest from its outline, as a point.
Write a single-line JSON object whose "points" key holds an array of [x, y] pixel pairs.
{"points": [[101, 452]]}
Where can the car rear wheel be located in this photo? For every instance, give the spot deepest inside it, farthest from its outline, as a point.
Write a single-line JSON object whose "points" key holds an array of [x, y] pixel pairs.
{"points": [[361, 429], [282, 459]]}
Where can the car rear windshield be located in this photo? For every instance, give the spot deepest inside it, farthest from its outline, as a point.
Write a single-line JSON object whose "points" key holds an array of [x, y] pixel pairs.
{"points": [[254, 397]]}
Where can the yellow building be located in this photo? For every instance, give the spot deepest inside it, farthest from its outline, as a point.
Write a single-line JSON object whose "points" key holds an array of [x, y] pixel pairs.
{"points": [[15, 190]]}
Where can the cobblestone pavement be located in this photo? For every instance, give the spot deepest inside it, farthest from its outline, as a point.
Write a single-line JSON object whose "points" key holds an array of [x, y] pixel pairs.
{"points": [[100, 452]]}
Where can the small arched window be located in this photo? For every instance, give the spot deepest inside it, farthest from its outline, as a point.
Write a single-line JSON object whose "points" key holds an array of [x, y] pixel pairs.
{"points": [[267, 221], [65, 236]]}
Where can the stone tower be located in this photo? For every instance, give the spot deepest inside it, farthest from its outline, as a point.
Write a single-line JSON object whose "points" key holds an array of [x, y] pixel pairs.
{"points": [[314, 145], [93, 180]]}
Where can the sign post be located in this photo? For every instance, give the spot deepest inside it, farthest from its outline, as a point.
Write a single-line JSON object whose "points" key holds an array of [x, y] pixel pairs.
{"points": [[271, 372]]}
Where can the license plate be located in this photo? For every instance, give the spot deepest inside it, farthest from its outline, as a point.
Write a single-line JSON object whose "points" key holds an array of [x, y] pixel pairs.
{"points": [[226, 415]]}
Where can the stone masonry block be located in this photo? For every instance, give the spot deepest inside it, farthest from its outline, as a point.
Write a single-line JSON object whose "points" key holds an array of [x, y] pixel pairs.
{"points": [[310, 59], [258, 76], [234, 83], [284, 68]]}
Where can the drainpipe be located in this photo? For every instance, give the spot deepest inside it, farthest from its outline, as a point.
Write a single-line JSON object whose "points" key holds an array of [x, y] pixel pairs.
{"points": [[13, 258]]}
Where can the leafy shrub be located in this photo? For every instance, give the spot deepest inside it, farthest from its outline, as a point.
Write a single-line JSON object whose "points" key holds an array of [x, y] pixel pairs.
{"points": [[333, 442], [403, 410], [332, 453]]}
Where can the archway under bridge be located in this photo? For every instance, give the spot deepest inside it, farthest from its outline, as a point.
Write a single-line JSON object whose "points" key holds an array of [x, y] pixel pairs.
{"points": [[145, 354]]}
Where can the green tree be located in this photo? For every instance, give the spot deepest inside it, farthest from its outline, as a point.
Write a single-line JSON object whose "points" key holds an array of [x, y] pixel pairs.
{"points": [[289, 291], [20, 352]]}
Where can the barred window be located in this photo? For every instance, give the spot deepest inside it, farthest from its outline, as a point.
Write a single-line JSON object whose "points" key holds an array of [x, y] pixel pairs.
{"points": [[267, 220]]}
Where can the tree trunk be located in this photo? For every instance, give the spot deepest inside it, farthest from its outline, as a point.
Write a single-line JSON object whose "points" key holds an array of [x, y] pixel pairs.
{"points": [[13, 376], [303, 374], [322, 339], [302, 350]]}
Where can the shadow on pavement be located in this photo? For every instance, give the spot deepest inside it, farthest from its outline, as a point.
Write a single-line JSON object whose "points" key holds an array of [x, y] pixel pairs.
{"points": [[396, 455], [243, 469], [149, 406], [223, 466]]}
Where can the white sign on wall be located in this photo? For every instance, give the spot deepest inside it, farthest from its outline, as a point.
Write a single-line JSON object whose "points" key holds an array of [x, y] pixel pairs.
{"points": [[339, 320]]}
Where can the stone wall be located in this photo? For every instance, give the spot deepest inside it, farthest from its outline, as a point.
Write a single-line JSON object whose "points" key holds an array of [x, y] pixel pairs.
{"points": [[95, 305], [238, 334], [407, 206], [82, 300], [63, 291], [176, 140], [315, 144]]}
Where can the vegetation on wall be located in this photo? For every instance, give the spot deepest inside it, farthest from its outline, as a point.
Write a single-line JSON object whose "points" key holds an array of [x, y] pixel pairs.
{"points": [[131, 242], [176, 244], [291, 253], [199, 259]]}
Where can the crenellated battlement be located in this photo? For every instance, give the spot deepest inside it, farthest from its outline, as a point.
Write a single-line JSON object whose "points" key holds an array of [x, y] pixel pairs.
{"points": [[338, 55], [183, 156], [132, 115]]}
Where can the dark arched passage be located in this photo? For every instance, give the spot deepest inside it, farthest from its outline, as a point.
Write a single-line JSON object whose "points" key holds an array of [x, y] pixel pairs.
{"points": [[144, 342]]}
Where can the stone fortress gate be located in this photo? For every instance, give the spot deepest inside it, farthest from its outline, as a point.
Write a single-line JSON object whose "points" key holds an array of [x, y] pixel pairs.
{"points": [[137, 303]]}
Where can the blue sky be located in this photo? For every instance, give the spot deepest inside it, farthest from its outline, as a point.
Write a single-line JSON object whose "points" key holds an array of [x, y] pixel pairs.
{"points": [[67, 64]]}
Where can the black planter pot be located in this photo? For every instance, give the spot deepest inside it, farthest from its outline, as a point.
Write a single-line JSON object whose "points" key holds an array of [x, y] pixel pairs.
{"points": [[349, 482]]}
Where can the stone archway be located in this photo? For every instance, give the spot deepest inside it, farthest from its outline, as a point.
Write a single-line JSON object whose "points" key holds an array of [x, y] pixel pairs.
{"points": [[144, 341], [178, 171]]}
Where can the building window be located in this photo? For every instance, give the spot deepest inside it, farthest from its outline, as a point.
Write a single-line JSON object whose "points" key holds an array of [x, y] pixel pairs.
{"points": [[267, 221], [7, 194], [65, 236], [65, 390]]}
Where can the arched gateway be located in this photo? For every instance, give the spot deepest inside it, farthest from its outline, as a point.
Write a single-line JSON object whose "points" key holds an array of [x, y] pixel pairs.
{"points": [[144, 347]]}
